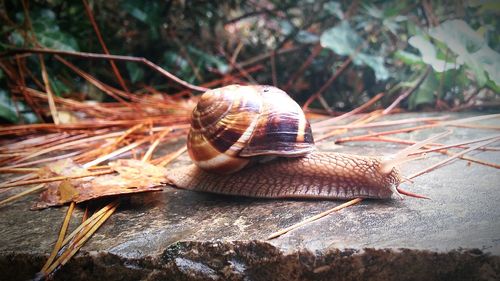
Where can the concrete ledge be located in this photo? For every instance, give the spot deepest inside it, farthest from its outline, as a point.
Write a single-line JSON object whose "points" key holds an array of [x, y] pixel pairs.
{"points": [[254, 260], [183, 235]]}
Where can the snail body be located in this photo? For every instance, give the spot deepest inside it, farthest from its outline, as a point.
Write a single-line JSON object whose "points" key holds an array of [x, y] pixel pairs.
{"points": [[234, 131], [326, 175]]}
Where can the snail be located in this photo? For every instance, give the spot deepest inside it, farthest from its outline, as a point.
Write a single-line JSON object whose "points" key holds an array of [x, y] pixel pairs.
{"points": [[255, 141]]}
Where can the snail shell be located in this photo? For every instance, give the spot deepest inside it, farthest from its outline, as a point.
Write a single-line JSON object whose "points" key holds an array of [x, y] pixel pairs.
{"points": [[234, 124]]}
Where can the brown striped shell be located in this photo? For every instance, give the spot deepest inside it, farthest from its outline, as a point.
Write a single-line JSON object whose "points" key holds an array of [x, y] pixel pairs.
{"points": [[234, 123]]}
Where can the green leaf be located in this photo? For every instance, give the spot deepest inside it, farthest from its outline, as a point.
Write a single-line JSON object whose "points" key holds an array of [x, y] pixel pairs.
{"points": [[425, 94], [16, 39], [471, 49], [489, 61], [373, 11], [58, 86], [344, 40], [458, 36], [375, 62], [135, 72], [57, 40], [7, 111], [334, 8], [306, 37], [491, 7], [341, 39], [209, 59], [429, 54], [408, 58]]}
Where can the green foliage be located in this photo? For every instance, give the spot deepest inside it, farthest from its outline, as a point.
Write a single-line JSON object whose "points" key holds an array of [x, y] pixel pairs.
{"points": [[344, 40], [429, 54], [470, 48], [425, 94], [7, 108], [392, 43], [135, 72]]}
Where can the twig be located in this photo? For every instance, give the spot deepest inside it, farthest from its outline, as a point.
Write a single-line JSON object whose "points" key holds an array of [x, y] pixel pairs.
{"points": [[108, 57], [407, 92], [315, 52], [50, 94], [339, 71], [273, 69], [98, 84], [350, 113], [327, 83], [103, 45]]}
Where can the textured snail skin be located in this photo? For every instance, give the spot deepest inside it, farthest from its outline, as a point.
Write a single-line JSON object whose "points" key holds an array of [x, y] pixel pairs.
{"points": [[316, 175]]}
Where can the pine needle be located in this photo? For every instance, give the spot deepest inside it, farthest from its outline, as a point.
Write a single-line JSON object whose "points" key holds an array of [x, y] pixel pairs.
{"points": [[24, 193], [452, 157], [60, 239], [58, 178], [314, 218], [80, 239]]}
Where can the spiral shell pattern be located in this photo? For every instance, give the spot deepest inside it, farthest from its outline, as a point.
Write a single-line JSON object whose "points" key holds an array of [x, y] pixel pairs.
{"points": [[234, 123]]}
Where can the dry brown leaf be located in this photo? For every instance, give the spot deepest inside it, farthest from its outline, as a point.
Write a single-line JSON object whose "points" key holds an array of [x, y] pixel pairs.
{"points": [[67, 191], [133, 176]]}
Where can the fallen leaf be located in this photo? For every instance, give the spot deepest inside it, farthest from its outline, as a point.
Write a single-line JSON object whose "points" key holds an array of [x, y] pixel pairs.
{"points": [[67, 191], [133, 176]]}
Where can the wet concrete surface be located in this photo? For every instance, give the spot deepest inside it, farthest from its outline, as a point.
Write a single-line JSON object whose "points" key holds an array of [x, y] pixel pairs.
{"points": [[183, 235]]}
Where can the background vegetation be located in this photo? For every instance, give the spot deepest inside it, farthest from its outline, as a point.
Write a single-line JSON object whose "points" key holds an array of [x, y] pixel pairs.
{"points": [[331, 55]]}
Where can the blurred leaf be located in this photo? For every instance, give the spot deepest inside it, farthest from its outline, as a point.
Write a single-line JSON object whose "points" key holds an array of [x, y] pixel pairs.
{"points": [[135, 72], [334, 8], [471, 49], [57, 40], [493, 86], [375, 62], [138, 14], [429, 54], [7, 108], [58, 87], [286, 27], [16, 39], [490, 7], [344, 40], [48, 33], [306, 37], [147, 12], [373, 11], [425, 94], [209, 59], [341, 39], [408, 58], [458, 36]]}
